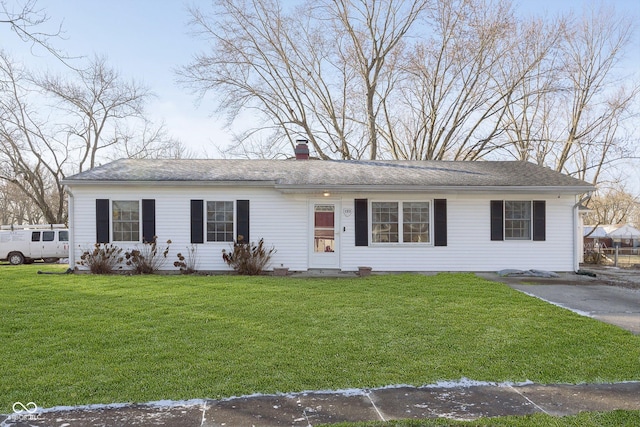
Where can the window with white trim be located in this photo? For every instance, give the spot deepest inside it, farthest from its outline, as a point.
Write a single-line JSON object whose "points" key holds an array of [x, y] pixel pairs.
{"points": [[517, 220], [400, 222], [125, 216], [220, 221]]}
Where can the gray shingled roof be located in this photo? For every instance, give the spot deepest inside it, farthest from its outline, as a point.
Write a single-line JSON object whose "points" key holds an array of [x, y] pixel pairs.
{"points": [[334, 174]]}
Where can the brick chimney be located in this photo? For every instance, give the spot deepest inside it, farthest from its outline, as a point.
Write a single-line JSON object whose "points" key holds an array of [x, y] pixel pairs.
{"points": [[302, 150]]}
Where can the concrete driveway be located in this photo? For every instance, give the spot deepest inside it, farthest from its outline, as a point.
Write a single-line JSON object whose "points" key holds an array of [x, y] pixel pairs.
{"points": [[618, 306], [610, 297]]}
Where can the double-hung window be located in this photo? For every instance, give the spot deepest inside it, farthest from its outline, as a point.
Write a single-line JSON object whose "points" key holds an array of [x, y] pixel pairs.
{"points": [[517, 220], [123, 221], [400, 222], [219, 221], [125, 215]]}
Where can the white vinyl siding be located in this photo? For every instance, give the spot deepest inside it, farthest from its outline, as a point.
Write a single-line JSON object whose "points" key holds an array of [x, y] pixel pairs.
{"points": [[283, 220], [469, 247]]}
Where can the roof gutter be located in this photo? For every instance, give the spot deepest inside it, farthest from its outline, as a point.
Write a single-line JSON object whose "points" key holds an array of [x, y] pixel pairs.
{"points": [[170, 183], [431, 188], [337, 188]]}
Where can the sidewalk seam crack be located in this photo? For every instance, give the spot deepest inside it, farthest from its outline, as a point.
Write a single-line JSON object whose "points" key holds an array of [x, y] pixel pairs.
{"points": [[368, 394], [529, 400], [204, 412]]}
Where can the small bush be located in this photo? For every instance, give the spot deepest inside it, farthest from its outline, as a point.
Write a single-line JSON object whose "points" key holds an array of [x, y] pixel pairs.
{"points": [[188, 263], [248, 258], [102, 259], [147, 260]]}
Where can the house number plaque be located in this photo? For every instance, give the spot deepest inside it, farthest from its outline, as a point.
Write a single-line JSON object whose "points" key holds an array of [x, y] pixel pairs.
{"points": [[347, 211]]}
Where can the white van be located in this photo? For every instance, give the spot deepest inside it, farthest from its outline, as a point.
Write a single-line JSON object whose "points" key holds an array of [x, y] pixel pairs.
{"points": [[27, 243]]}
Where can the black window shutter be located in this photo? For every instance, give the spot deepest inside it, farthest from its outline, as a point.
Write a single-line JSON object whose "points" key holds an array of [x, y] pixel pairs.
{"points": [[102, 220], [497, 220], [362, 222], [440, 222], [539, 220], [148, 220], [242, 220], [197, 221]]}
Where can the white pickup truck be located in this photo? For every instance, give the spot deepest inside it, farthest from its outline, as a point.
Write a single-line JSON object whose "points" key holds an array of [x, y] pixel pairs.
{"points": [[26, 243]]}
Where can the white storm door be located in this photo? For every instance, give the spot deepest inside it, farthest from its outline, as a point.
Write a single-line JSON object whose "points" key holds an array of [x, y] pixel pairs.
{"points": [[325, 235]]}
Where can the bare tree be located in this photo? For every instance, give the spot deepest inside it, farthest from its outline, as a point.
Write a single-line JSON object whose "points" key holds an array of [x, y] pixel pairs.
{"points": [[54, 125], [529, 115], [96, 116], [16, 207], [148, 141], [594, 47], [439, 79], [613, 205], [97, 106], [26, 19], [29, 21], [573, 116], [460, 80], [31, 159], [317, 70], [372, 32]]}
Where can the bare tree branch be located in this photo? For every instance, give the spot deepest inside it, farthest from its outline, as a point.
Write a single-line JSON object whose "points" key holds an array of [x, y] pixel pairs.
{"points": [[438, 79], [26, 19]]}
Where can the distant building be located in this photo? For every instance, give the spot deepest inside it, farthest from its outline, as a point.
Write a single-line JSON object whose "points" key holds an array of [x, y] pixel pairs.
{"points": [[611, 236]]}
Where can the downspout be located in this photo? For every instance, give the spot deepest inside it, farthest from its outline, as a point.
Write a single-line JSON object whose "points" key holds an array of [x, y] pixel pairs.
{"points": [[72, 252], [577, 235]]}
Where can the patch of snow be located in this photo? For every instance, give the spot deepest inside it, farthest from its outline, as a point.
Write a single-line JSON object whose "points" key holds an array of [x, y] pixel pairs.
{"points": [[348, 392], [345, 392], [393, 386], [101, 406], [466, 383], [91, 407], [175, 403]]}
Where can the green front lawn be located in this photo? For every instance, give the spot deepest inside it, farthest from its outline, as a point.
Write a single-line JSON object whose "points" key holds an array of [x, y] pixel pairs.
{"points": [[79, 339]]}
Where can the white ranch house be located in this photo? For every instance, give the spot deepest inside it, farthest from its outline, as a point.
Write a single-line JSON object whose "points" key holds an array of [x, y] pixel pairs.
{"points": [[324, 214]]}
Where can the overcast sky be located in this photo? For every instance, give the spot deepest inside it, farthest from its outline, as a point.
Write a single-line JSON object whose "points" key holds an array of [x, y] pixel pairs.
{"points": [[147, 39]]}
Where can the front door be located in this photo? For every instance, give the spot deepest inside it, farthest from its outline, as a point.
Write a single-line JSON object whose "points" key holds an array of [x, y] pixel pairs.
{"points": [[325, 232]]}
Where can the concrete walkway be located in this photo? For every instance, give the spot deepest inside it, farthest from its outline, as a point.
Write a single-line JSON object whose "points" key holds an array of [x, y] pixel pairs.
{"points": [[464, 400]]}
